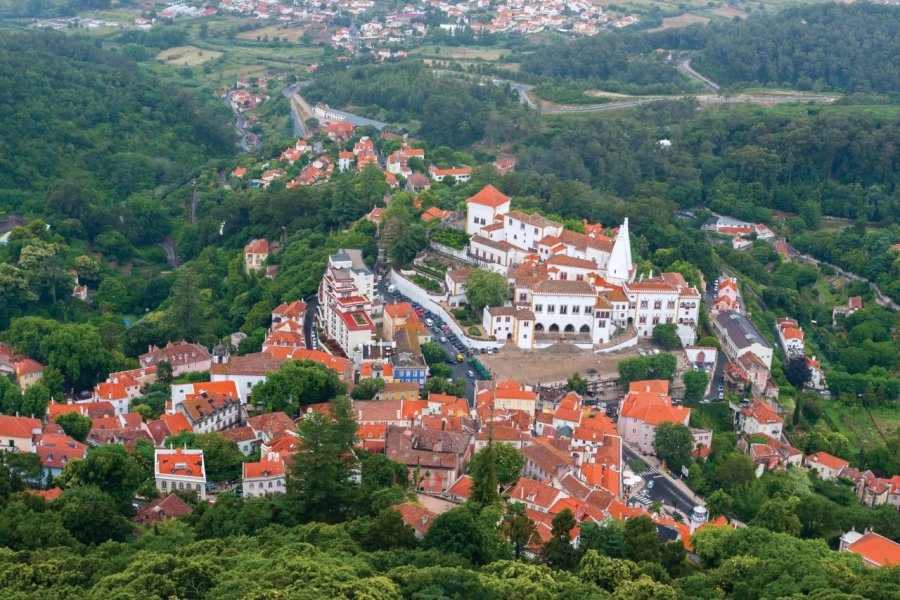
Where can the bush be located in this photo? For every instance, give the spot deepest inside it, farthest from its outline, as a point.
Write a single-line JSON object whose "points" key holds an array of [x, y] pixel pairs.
{"points": [[474, 331]]}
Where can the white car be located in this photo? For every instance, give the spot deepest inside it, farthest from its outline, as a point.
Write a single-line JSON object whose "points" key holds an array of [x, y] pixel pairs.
{"points": [[649, 485]]}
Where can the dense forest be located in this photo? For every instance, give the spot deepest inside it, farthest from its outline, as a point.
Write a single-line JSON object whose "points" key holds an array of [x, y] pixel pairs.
{"points": [[70, 111], [852, 48], [52, 8], [450, 110]]}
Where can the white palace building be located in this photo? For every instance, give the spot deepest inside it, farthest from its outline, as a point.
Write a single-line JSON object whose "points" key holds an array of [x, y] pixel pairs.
{"points": [[578, 285]]}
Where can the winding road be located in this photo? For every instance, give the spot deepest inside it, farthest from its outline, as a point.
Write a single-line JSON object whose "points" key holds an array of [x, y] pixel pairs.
{"points": [[683, 65]]}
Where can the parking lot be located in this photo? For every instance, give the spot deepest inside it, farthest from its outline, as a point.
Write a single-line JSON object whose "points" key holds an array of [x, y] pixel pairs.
{"points": [[554, 365], [452, 344]]}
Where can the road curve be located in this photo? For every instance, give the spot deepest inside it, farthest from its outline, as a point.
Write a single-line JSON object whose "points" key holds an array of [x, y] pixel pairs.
{"points": [[684, 65]]}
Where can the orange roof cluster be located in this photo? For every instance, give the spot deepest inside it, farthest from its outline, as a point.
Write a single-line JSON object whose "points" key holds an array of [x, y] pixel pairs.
{"points": [[762, 412], [876, 549], [652, 407]]}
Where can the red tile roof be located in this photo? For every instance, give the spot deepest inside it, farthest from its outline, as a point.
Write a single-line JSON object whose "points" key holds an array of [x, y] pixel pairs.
{"points": [[263, 469], [168, 507], [257, 247], [18, 427], [184, 463], [272, 424], [876, 549], [828, 460], [489, 196], [416, 516], [534, 492]]}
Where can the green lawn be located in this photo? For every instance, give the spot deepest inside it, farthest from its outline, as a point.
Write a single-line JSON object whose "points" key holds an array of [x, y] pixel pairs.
{"points": [[854, 422]]}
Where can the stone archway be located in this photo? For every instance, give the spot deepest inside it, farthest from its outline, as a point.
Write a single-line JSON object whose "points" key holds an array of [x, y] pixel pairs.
{"points": [[554, 328], [585, 329], [570, 328]]}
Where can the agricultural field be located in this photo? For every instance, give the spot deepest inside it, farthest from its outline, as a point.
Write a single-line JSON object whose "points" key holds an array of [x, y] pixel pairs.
{"points": [[859, 425], [681, 21], [291, 34], [187, 56], [471, 53]]}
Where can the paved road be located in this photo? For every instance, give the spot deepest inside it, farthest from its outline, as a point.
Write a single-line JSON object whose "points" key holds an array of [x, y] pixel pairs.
{"points": [[312, 309], [665, 490], [684, 65], [169, 246], [288, 92], [458, 369]]}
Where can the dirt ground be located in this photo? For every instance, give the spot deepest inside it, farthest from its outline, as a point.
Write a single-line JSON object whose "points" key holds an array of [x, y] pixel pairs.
{"points": [[552, 365], [435, 505], [680, 21]]}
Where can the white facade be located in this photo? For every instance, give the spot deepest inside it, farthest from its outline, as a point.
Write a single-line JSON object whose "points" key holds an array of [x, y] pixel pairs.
{"points": [[180, 470], [345, 300]]}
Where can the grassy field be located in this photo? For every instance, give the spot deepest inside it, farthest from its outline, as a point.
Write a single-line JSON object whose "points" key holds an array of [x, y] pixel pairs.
{"points": [[854, 422], [187, 56], [292, 34], [681, 21], [728, 12], [463, 53]]}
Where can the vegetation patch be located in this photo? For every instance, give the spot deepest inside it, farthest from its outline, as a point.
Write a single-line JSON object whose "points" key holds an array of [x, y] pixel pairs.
{"points": [[187, 56]]}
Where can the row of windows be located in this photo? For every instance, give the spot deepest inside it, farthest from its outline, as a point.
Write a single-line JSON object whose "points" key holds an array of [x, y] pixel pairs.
{"points": [[563, 309], [642, 320], [262, 485], [180, 486], [657, 305]]}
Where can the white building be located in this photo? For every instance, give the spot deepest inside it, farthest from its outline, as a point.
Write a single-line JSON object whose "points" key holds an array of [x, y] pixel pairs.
{"points": [[510, 323], [211, 411], [739, 336], [180, 470], [760, 417], [264, 478], [483, 208], [345, 300], [790, 337]]}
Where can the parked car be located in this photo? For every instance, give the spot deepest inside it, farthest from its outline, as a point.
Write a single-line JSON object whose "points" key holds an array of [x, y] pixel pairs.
{"points": [[592, 371], [443, 339], [470, 374], [642, 352]]}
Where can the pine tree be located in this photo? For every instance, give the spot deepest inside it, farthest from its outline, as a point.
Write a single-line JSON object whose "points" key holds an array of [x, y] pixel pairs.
{"points": [[184, 313], [484, 481]]}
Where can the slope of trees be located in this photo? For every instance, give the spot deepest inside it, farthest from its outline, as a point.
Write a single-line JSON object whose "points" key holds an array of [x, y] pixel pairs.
{"points": [[853, 48], [450, 110], [73, 112], [850, 48]]}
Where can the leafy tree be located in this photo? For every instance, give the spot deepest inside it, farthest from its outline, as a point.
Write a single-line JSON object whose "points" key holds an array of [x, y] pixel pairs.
{"points": [[518, 528], [320, 484], [735, 470], [666, 334], [484, 479], [296, 384], [92, 517], [718, 503], [558, 552], [674, 559], [674, 444], [35, 400], [508, 462], [388, 531], [779, 514], [607, 572], [470, 534], [367, 388], [75, 425], [695, 382], [641, 540], [486, 288], [578, 384], [88, 268], [109, 468], [607, 538], [434, 353], [164, 372], [798, 372]]}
